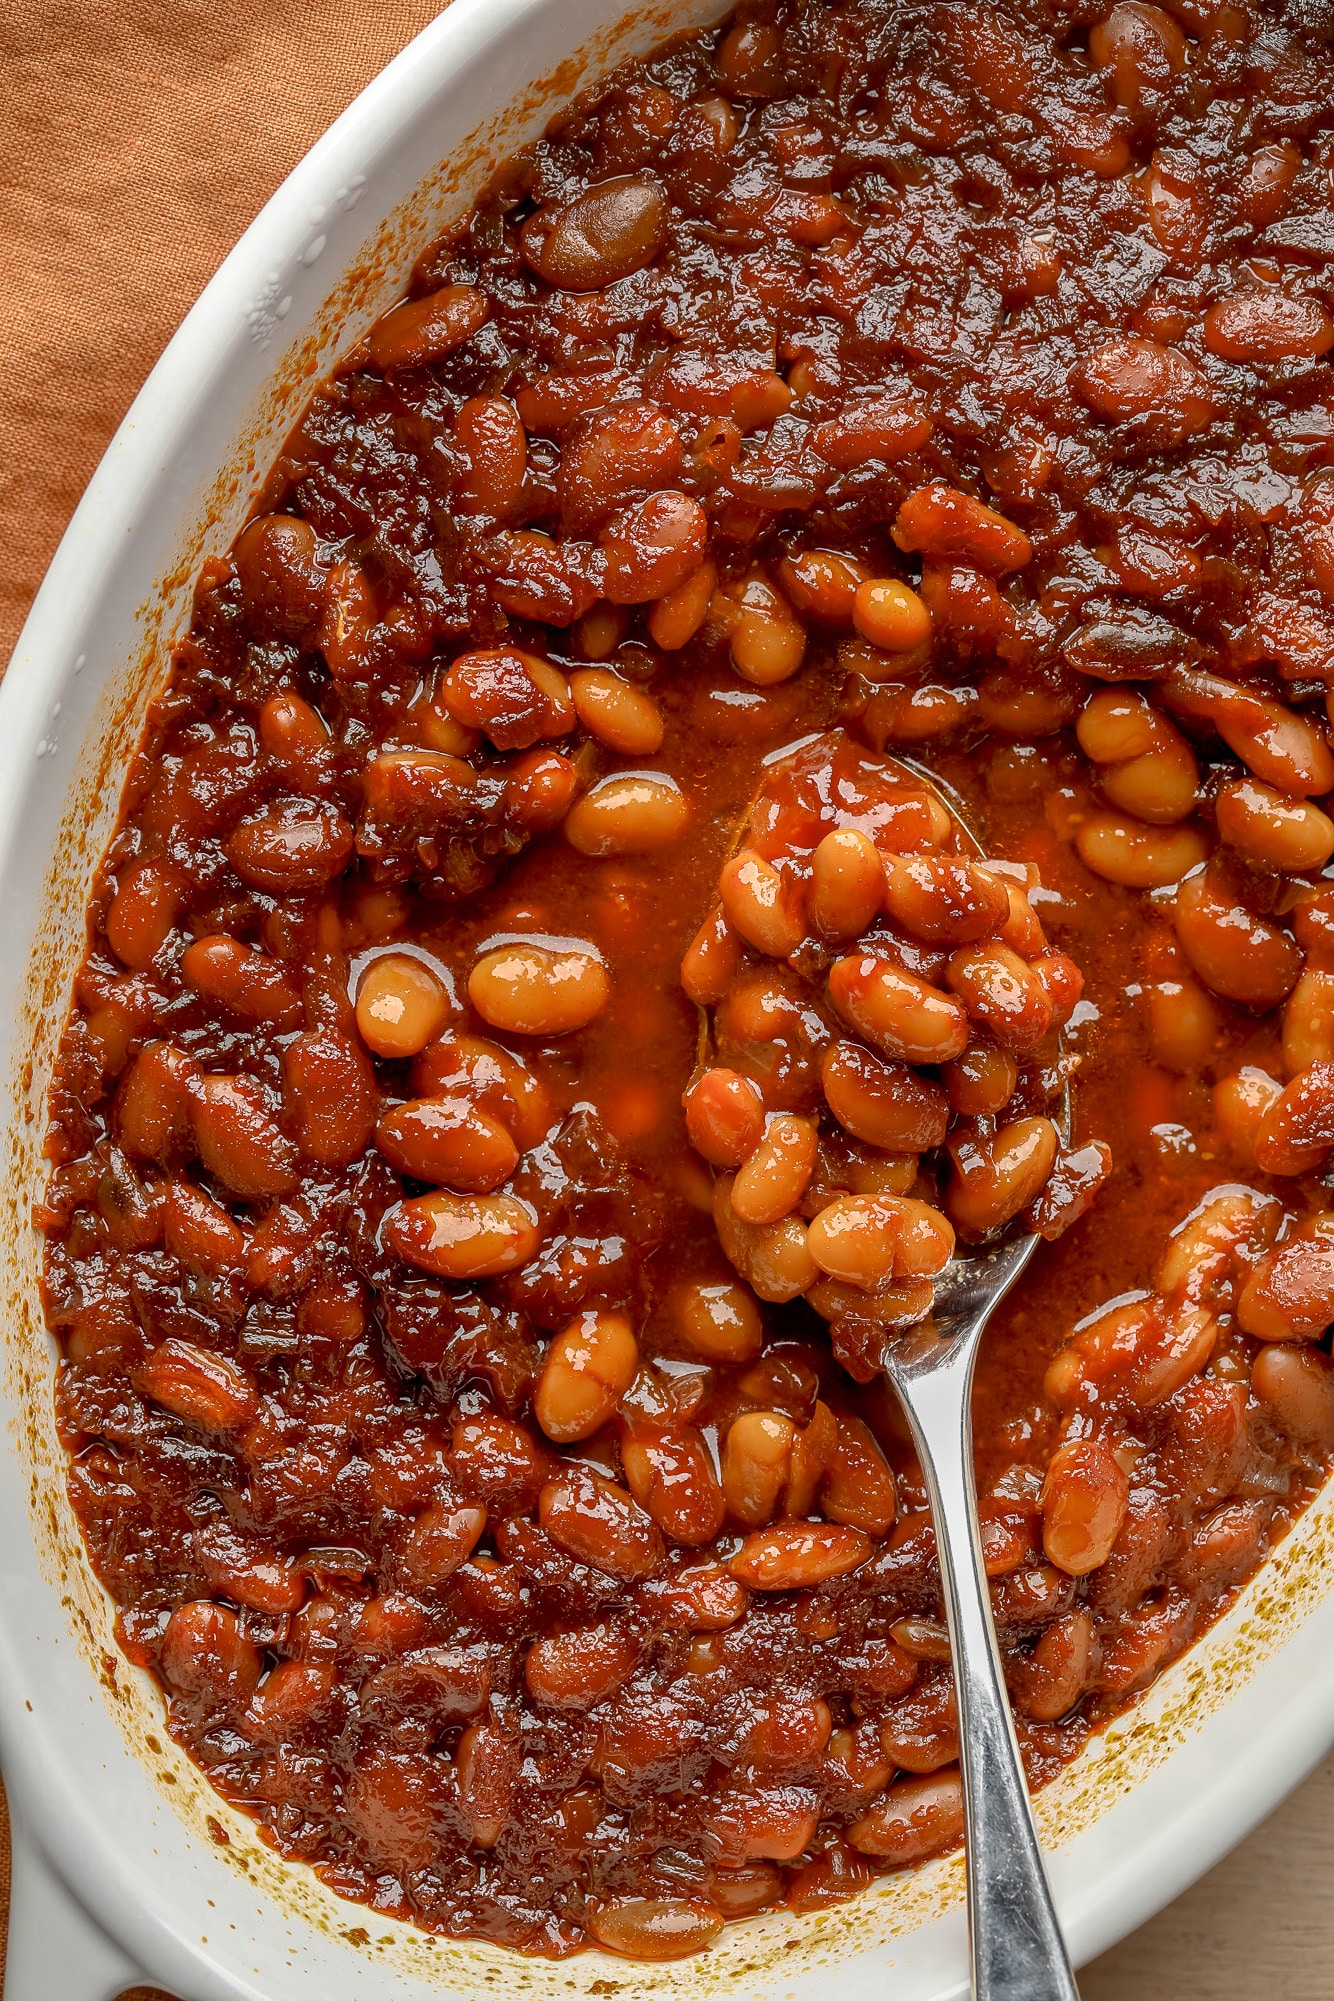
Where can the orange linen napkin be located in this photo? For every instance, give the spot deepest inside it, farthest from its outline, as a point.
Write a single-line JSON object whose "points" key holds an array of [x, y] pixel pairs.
{"points": [[137, 140]]}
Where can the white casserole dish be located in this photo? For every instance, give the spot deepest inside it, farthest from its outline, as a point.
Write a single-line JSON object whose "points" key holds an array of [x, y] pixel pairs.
{"points": [[126, 1866]]}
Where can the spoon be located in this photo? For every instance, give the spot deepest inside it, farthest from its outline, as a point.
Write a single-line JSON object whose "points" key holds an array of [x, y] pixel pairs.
{"points": [[1015, 1944], [1016, 1949]]}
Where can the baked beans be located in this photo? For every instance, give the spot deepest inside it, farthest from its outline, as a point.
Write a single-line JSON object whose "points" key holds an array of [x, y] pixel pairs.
{"points": [[540, 1031]]}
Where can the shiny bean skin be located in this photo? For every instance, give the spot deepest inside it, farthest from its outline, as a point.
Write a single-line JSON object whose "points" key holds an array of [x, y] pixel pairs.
{"points": [[240, 1141], [462, 1236], [855, 1238], [294, 844], [492, 1078], [759, 906], [1204, 1246], [980, 1082], [609, 231], [793, 1556], [154, 1105], [628, 813], [773, 1257], [329, 1095], [901, 1015], [1127, 379], [487, 1767], [1296, 1131], [724, 1117], [442, 1538], [1308, 1022], [1240, 1102], [859, 1483], [884, 1103], [655, 1928], [891, 615], [651, 548], [720, 1322], [773, 1177], [1003, 993], [276, 558], [1270, 828], [822, 584], [516, 699], [1116, 724], [669, 1472], [712, 961], [143, 912], [766, 649], [449, 1141], [617, 714], [587, 1371], [866, 1240], [207, 1660], [1237, 954], [1281, 747], [532, 989], [1289, 1295], [944, 901], [940, 521], [427, 329], [914, 1818], [1160, 787], [401, 1005], [601, 1525], [1298, 1386], [1083, 1505], [1059, 1667], [1138, 856], [205, 1389], [1263, 325], [249, 984], [199, 1231], [996, 1177], [489, 435], [679, 613], [847, 884], [1184, 1024], [756, 1464], [581, 1666]]}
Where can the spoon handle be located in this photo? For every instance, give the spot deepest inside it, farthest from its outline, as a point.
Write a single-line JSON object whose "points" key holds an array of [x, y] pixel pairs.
{"points": [[1017, 1950]]}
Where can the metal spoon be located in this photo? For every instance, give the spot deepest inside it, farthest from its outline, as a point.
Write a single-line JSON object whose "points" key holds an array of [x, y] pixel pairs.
{"points": [[1016, 1949], [1015, 1944]]}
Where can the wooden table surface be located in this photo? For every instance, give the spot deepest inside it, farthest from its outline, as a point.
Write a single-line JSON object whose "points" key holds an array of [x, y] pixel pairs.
{"points": [[137, 138]]}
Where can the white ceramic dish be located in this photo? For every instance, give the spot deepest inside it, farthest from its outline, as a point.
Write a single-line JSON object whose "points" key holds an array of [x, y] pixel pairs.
{"points": [[125, 1865]]}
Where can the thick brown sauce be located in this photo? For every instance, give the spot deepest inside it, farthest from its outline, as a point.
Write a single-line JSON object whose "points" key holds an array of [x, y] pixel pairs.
{"points": [[1006, 204]]}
